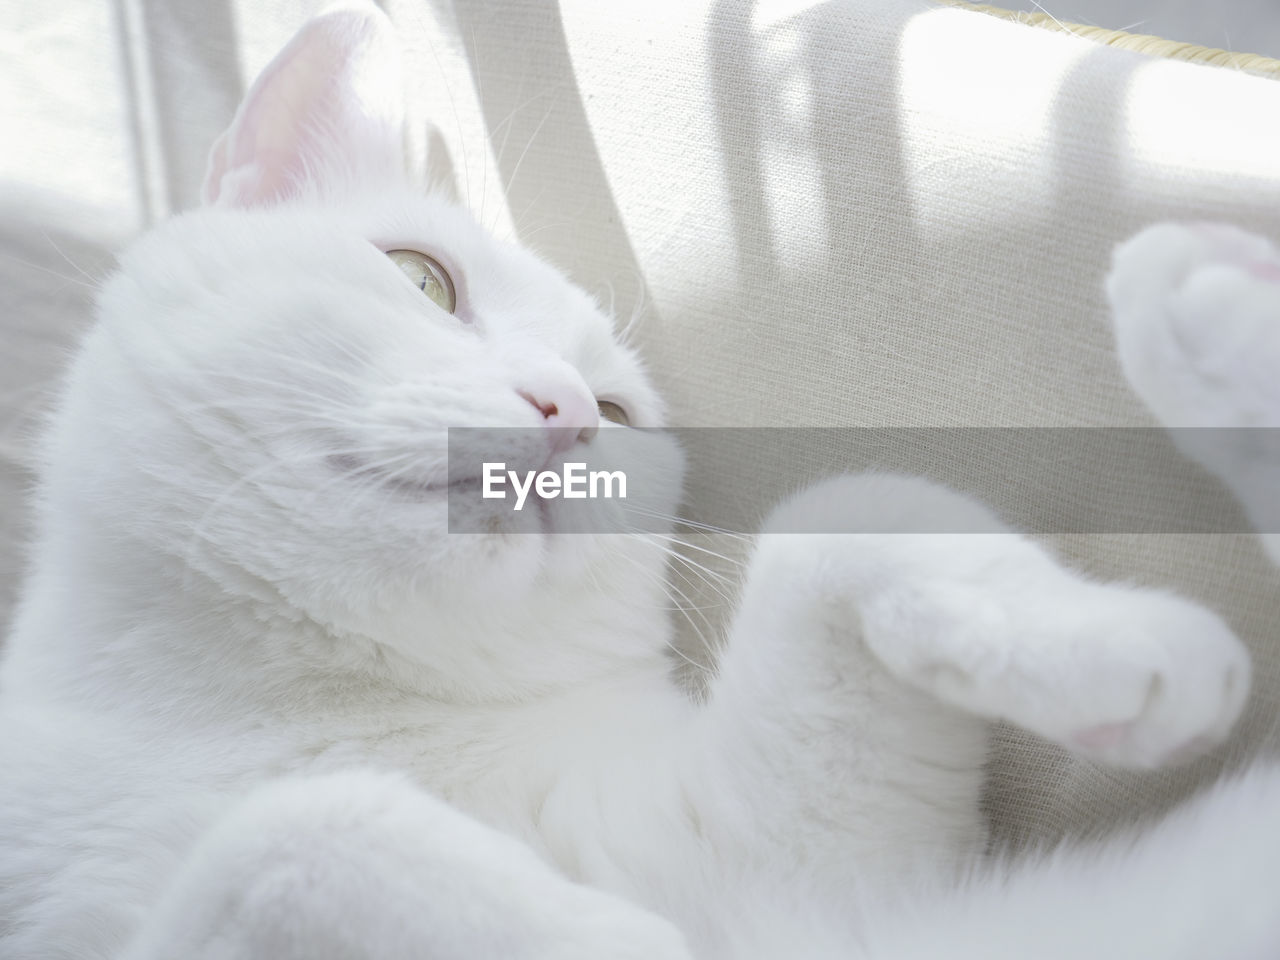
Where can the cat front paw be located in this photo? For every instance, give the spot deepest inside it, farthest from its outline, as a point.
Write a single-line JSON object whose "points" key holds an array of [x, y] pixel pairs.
{"points": [[363, 865], [1126, 676], [1153, 680], [1197, 321], [993, 624]]}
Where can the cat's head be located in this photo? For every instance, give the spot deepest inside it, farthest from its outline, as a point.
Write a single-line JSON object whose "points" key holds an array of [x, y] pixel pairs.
{"points": [[267, 395]]}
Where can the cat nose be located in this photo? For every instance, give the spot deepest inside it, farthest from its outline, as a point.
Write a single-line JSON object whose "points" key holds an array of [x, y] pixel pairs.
{"points": [[568, 412]]}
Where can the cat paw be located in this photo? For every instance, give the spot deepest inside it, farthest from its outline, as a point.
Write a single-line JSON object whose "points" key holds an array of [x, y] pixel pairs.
{"points": [[993, 624], [1125, 676], [1142, 679], [360, 864], [1197, 321]]}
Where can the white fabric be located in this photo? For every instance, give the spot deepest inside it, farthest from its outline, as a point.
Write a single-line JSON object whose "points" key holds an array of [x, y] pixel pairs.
{"points": [[851, 213]]}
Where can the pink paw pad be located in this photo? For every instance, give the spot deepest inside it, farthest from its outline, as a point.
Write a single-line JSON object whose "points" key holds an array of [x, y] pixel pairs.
{"points": [[1268, 270], [1102, 737], [1244, 249]]}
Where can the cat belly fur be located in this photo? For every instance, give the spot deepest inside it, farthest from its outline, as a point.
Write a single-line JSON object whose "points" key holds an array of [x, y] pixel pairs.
{"points": [[602, 783], [91, 844]]}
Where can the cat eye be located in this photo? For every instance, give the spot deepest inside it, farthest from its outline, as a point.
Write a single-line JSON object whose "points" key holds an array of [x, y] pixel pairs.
{"points": [[613, 413], [427, 275]]}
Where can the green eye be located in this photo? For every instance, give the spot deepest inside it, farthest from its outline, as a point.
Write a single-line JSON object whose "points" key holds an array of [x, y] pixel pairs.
{"points": [[611, 411], [427, 275]]}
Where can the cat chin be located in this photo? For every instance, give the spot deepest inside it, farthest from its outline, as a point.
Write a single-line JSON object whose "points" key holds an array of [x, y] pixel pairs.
{"points": [[486, 587]]}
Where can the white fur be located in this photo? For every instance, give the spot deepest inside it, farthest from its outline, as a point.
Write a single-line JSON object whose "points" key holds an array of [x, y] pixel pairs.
{"points": [[259, 703], [1198, 329]]}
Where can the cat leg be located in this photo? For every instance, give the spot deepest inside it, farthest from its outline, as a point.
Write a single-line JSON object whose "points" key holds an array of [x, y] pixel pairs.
{"points": [[364, 865], [862, 667], [1201, 883], [1197, 321]]}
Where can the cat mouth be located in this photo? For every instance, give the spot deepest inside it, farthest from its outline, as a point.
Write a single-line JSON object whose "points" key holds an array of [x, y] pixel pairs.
{"points": [[353, 468], [408, 489], [414, 488]]}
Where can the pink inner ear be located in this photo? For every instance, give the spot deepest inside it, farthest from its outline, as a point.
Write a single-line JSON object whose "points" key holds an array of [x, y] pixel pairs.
{"points": [[327, 110]]}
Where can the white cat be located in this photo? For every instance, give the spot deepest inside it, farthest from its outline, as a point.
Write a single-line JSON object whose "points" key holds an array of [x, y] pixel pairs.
{"points": [[259, 703]]}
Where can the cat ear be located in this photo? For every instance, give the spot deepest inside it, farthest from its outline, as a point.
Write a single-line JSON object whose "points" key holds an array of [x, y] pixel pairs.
{"points": [[328, 110]]}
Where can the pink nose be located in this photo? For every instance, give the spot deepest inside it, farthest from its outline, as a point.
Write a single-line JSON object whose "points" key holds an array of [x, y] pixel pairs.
{"points": [[568, 412]]}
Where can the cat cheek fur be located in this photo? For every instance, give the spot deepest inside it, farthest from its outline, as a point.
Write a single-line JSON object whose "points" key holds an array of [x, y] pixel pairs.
{"points": [[267, 361], [286, 356]]}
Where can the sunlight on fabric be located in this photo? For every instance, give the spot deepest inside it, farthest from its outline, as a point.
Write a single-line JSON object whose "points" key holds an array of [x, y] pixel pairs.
{"points": [[1198, 118], [65, 114], [654, 126], [976, 101], [766, 13], [791, 171]]}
